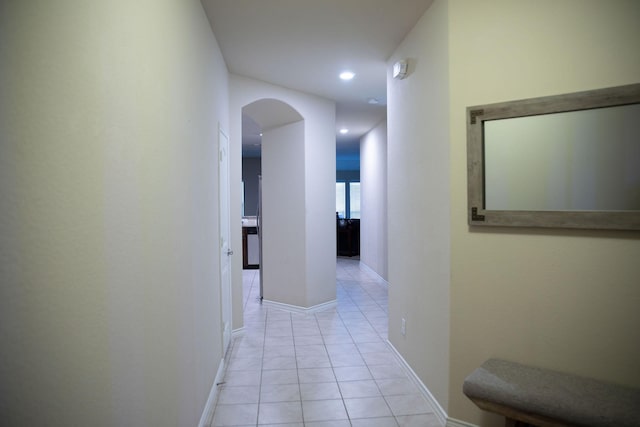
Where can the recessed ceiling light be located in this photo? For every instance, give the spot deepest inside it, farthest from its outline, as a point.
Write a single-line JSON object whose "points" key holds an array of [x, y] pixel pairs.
{"points": [[344, 130], [347, 75]]}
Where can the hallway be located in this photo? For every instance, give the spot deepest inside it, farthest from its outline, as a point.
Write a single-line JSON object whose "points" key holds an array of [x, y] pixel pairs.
{"points": [[332, 368]]}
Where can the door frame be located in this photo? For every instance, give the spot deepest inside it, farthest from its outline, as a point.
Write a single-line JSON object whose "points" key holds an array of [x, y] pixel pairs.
{"points": [[224, 223]]}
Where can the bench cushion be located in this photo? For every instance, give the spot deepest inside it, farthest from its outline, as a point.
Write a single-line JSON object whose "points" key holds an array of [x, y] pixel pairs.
{"points": [[554, 395]]}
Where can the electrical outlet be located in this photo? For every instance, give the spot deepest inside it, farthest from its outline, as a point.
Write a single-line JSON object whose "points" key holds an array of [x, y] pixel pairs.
{"points": [[403, 328]]}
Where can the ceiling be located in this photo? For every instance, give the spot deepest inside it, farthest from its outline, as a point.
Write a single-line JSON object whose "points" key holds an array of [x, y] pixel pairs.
{"points": [[305, 44]]}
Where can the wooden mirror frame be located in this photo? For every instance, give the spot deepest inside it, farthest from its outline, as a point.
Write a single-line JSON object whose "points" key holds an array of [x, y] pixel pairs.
{"points": [[478, 215]]}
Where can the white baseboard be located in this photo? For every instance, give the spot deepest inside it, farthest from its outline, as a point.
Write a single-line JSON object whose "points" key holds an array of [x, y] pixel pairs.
{"points": [[452, 422], [438, 411], [207, 415], [236, 333], [371, 271], [298, 309]]}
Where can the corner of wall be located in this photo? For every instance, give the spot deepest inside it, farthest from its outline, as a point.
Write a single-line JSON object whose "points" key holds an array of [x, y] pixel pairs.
{"points": [[419, 201]]}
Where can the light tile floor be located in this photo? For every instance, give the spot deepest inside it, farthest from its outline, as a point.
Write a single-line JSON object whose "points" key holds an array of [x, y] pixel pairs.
{"points": [[328, 369]]}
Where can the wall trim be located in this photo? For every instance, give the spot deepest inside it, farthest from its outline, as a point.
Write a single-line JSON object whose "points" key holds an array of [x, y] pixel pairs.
{"points": [[301, 310], [235, 334], [452, 422], [370, 270], [207, 414], [438, 411]]}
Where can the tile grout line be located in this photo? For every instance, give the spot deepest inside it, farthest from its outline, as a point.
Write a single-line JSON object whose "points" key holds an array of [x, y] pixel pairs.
{"points": [[324, 344], [264, 343], [363, 359], [295, 358]]}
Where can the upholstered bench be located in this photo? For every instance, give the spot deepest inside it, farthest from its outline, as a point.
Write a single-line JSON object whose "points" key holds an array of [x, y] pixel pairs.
{"points": [[532, 396]]}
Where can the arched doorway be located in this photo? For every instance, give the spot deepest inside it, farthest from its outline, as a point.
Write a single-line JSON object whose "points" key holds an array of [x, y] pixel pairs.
{"points": [[281, 208], [289, 207]]}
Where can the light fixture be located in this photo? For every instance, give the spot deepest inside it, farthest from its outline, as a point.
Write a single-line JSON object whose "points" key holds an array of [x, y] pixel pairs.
{"points": [[344, 131], [400, 69], [347, 75]]}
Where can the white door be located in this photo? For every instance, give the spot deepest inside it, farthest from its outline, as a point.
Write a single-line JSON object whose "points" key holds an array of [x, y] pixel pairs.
{"points": [[225, 230]]}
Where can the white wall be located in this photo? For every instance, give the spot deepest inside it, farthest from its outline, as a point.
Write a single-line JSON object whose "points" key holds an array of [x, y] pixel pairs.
{"points": [[559, 299], [373, 199], [283, 216], [418, 199], [109, 306], [320, 188], [319, 181]]}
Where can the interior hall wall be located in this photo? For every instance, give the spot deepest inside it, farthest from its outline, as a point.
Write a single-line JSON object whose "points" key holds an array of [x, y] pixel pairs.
{"points": [[283, 216], [559, 299], [418, 201], [373, 199], [109, 305]]}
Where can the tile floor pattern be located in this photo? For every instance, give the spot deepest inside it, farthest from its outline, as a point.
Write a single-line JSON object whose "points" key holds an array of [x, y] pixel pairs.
{"points": [[328, 369]]}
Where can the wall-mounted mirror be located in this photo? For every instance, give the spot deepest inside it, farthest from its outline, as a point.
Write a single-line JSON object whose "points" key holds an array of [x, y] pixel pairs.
{"points": [[566, 161]]}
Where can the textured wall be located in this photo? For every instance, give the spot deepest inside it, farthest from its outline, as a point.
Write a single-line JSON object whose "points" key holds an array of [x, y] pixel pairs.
{"points": [[109, 307]]}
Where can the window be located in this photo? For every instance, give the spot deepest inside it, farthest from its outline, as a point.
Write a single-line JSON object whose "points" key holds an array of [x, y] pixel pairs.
{"points": [[348, 199], [341, 199], [242, 205], [354, 200]]}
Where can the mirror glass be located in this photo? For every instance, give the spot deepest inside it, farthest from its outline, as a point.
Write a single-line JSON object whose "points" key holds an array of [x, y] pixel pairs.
{"points": [[578, 160]]}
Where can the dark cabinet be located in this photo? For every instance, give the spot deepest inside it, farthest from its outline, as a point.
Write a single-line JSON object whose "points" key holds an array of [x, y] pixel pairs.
{"points": [[348, 237], [250, 248]]}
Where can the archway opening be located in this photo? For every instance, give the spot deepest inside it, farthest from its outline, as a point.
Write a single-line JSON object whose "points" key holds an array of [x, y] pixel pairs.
{"points": [[279, 131]]}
